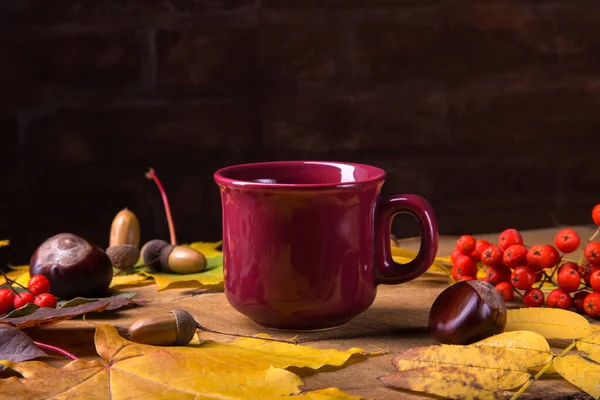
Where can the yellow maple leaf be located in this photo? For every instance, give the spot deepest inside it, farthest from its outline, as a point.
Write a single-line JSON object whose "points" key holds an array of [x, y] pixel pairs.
{"points": [[17, 273], [209, 249], [130, 370], [551, 323], [581, 372]]}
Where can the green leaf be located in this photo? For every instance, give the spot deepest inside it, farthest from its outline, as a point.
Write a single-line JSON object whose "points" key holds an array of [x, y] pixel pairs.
{"points": [[19, 312]]}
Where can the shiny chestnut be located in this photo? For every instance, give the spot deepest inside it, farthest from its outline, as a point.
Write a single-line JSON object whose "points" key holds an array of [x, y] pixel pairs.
{"points": [[467, 312], [74, 266]]}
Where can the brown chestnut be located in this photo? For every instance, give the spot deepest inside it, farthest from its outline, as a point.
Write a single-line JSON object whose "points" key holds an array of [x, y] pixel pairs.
{"points": [[74, 266], [466, 312]]}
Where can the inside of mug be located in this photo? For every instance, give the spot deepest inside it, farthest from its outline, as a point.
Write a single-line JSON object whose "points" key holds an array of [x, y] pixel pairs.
{"points": [[302, 173]]}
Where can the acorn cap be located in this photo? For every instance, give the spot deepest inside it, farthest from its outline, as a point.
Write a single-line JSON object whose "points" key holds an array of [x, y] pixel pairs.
{"points": [[123, 256], [151, 254], [164, 257], [186, 326]]}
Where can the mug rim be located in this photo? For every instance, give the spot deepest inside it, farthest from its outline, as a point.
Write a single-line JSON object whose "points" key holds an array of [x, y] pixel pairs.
{"points": [[220, 177]]}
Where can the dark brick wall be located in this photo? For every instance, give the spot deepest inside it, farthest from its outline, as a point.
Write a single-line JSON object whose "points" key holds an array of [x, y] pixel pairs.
{"points": [[490, 109]]}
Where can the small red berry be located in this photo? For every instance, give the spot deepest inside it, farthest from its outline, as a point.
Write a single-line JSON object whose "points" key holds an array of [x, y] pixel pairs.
{"points": [[567, 240], [46, 300], [506, 290], [497, 274], [568, 279], [476, 255], [578, 299], [467, 278], [522, 278], [591, 304], [533, 298], [22, 299], [568, 264], [586, 271], [6, 303], [9, 294], [455, 275], [454, 254], [595, 280], [465, 265], [558, 298], [38, 284], [592, 253], [542, 256], [466, 244], [508, 238], [481, 245], [492, 255], [515, 256], [596, 214]]}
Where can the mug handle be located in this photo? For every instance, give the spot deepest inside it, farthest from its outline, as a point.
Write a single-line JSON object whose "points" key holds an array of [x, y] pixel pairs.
{"points": [[389, 271]]}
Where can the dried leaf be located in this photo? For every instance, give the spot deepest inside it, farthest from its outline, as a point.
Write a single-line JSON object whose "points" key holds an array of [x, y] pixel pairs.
{"points": [[17, 346], [130, 370], [497, 366], [551, 323], [211, 277], [590, 345], [49, 316], [121, 281], [581, 372], [528, 346], [449, 382], [21, 311], [403, 256], [117, 301]]}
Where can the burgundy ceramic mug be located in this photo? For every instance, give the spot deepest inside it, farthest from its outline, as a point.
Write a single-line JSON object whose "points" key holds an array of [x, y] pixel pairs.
{"points": [[306, 243]]}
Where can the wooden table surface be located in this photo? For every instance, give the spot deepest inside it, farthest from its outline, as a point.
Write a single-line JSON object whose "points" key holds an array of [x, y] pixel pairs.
{"points": [[395, 322]]}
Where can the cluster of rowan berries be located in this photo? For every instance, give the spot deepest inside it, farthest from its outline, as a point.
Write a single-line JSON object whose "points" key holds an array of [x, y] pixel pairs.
{"points": [[37, 292], [512, 267]]}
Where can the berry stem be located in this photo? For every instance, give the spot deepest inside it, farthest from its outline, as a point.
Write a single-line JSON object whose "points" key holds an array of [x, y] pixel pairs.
{"points": [[152, 175], [589, 240], [56, 350], [541, 372], [594, 235], [517, 292], [244, 336], [549, 277], [13, 282]]}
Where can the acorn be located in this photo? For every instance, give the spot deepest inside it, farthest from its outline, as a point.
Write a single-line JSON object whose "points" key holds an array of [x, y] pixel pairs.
{"points": [[124, 241], [175, 328], [125, 229], [466, 312], [161, 256]]}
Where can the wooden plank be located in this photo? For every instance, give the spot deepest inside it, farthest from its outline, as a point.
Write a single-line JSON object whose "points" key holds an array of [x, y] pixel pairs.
{"points": [[395, 322]]}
